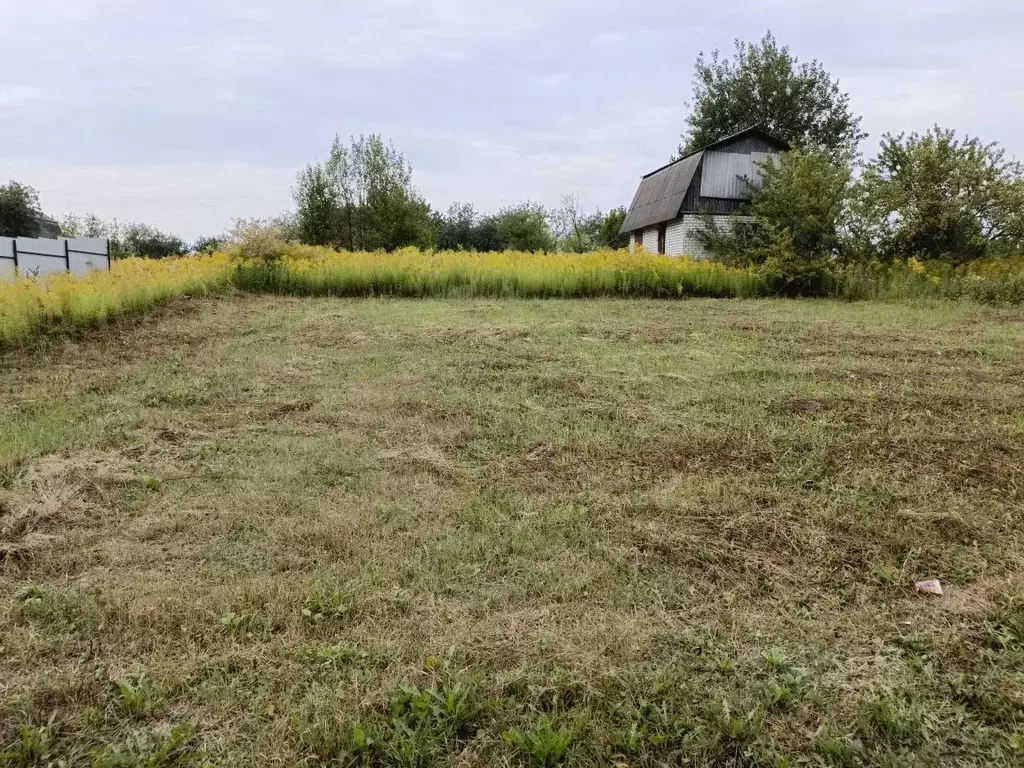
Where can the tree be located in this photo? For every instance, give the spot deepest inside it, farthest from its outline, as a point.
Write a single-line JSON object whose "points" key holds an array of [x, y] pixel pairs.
{"points": [[209, 244], [317, 199], [610, 234], [766, 86], [19, 210], [150, 242], [125, 240], [362, 198], [576, 231], [89, 225], [524, 227], [458, 229], [486, 237], [793, 225], [935, 196]]}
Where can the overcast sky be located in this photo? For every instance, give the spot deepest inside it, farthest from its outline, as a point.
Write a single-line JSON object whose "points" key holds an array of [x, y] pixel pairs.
{"points": [[190, 113]]}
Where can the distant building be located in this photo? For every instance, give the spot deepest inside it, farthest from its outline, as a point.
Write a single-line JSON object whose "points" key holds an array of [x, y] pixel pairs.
{"points": [[665, 214], [48, 227]]}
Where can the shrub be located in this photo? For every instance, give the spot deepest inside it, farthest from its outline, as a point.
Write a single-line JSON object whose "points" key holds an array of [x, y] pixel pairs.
{"points": [[257, 240]]}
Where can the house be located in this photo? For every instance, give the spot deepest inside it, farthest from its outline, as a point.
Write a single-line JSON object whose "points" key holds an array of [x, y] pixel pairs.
{"points": [[665, 214], [48, 227]]}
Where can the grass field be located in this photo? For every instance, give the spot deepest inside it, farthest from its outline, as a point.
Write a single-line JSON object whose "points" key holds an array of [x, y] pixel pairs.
{"points": [[278, 531]]}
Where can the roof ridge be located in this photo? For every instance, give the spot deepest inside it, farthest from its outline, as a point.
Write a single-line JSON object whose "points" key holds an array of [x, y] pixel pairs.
{"points": [[715, 143], [669, 165]]}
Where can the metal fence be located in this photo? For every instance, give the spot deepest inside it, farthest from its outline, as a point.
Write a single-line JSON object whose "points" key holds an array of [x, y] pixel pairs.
{"points": [[46, 256]]}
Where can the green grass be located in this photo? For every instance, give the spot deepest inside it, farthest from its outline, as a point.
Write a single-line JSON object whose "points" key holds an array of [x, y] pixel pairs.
{"points": [[261, 530]]}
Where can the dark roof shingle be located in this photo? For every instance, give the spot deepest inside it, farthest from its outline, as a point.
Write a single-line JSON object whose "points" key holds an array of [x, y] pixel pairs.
{"points": [[661, 194]]}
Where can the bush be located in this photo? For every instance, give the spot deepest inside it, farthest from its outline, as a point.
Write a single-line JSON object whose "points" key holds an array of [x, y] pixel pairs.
{"points": [[257, 240], [790, 228]]}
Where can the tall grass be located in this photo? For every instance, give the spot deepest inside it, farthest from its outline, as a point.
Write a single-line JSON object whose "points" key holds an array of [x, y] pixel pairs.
{"points": [[29, 305], [991, 281], [311, 271]]}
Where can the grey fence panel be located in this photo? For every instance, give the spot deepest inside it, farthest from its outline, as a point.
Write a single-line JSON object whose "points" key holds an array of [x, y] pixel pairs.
{"points": [[6, 258], [35, 256]]}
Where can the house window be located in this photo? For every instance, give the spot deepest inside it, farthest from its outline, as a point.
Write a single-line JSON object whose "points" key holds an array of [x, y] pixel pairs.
{"points": [[662, 232], [638, 238]]}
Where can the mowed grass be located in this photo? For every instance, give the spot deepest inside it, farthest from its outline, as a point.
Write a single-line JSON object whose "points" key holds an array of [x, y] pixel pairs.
{"points": [[272, 531]]}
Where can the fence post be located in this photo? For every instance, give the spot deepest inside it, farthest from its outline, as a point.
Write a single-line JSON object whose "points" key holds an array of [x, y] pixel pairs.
{"points": [[67, 255], [108, 254], [14, 246]]}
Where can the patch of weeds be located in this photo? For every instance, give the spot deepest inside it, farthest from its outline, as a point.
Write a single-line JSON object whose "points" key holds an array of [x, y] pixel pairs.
{"points": [[736, 730], [913, 643], [887, 575], [237, 623], [898, 719], [431, 718], [775, 658], [138, 698], [31, 746], [34, 602], [545, 743], [1004, 628], [838, 751], [649, 726], [91, 717], [323, 607], [420, 727], [782, 691], [726, 665], [151, 749]]}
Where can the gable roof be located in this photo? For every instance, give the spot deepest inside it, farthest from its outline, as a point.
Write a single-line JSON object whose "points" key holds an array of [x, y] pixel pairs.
{"points": [[661, 192]]}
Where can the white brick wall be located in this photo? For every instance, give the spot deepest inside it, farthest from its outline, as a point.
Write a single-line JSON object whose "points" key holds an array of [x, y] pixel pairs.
{"points": [[680, 236], [651, 239], [681, 239]]}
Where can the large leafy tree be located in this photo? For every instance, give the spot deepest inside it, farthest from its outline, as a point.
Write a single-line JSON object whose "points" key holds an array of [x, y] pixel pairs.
{"points": [[937, 196], [19, 210], [524, 227], [362, 198], [765, 85]]}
